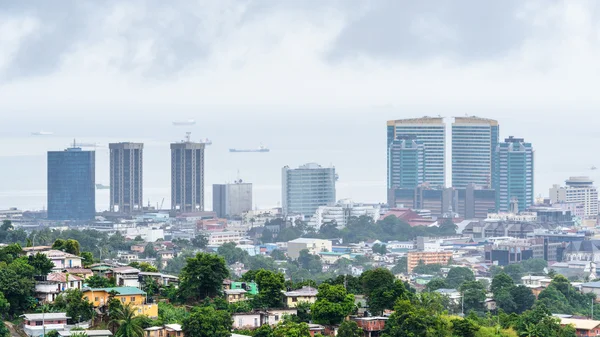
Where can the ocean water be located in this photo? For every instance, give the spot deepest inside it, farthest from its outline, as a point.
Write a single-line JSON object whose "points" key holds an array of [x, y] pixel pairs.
{"points": [[352, 141]]}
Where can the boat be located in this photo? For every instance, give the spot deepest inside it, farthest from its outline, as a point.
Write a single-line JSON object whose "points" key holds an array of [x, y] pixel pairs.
{"points": [[42, 133], [183, 123], [260, 149], [102, 187]]}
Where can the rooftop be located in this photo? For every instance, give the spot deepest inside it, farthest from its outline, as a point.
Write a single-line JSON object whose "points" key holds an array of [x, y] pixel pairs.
{"points": [[60, 277], [120, 290], [304, 291], [89, 333], [46, 316], [580, 324], [126, 270]]}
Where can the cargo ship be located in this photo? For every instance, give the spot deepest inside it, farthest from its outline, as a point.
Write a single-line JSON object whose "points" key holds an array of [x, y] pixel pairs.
{"points": [[260, 149]]}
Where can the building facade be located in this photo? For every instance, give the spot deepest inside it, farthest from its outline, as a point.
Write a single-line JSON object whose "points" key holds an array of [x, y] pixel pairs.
{"points": [[577, 191], [431, 131], [405, 162], [514, 166], [71, 184], [414, 258], [314, 246], [341, 212], [476, 202], [306, 188], [126, 177], [474, 141], [232, 200], [187, 176]]}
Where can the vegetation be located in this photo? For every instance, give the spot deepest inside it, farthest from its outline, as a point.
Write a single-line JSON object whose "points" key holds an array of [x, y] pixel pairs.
{"points": [[206, 321], [202, 277]]}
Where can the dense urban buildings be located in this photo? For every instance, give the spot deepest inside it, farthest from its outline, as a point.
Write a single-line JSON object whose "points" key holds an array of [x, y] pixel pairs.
{"points": [[405, 162], [187, 176], [232, 200], [71, 184], [126, 177], [577, 191], [431, 131], [341, 212], [474, 142], [514, 165], [306, 188]]}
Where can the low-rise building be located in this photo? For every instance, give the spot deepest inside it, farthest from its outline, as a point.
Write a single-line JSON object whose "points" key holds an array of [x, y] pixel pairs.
{"points": [[414, 258], [235, 295], [219, 238], [36, 325], [583, 327], [371, 326], [47, 289], [127, 295], [314, 246], [248, 320], [84, 273], [127, 276], [305, 294], [60, 259], [167, 330]]}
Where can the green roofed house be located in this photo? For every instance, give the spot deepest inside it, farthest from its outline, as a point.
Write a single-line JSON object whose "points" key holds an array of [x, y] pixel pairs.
{"points": [[250, 287]]}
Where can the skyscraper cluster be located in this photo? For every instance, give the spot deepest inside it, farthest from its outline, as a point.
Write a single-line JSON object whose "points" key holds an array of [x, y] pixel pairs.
{"points": [[478, 159]]}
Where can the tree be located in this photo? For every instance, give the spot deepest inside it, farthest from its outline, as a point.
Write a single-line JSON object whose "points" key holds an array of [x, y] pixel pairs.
{"points": [[379, 249], [310, 262], [382, 289], [473, 294], [232, 254], [501, 282], [41, 264], [147, 267], [277, 254], [149, 251], [129, 325], [523, 298], [200, 241], [288, 328], [427, 269], [329, 230], [515, 271], [202, 277], [464, 328], [270, 285], [17, 285], [207, 322], [534, 266], [435, 284], [401, 267], [349, 329], [267, 236], [459, 275], [332, 306], [68, 246], [96, 281], [75, 305], [87, 259]]}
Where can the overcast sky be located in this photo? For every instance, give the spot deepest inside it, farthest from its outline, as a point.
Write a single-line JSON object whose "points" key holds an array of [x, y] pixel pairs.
{"points": [[510, 55]]}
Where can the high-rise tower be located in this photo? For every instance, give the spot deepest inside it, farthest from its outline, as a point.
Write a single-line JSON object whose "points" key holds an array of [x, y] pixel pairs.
{"points": [[405, 162], [514, 169], [71, 184], [431, 132], [187, 176], [126, 177], [474, 142], [306, 188]]}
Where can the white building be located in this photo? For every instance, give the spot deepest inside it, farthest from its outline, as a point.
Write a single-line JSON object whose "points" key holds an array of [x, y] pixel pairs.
{"points": [[148, 234], [341, 212], [36, 325], [306, 188], [219, 238], [127, 276], [578, 190], [314, 246], [60, 259], [55, 283]]}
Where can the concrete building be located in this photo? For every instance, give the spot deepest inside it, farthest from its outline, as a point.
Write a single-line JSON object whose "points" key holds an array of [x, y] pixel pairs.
{"points": [[405, 162], [126, 177], [583, 327], [133, 296], [303, 295], [60, 259], [35, 325], [314, 246], [126, 276], [341, 212], [232, 200], [431, 131], [414, 258], [71, 184], [306, 188], [219, 238], [476, 202], [514, 166], [187, 176], [55, 283], [474, 142], [577, 191]]}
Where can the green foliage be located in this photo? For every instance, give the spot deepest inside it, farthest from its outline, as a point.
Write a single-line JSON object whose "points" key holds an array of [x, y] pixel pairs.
{"points": [[459, 275], [261, 262], [352, 284], [266, 236], [126, 321], [96, 281], [379, 249], [176, 264], [169, 314], [277, 254], [232, 254], [41, 263], [10, 253], [207, 322], [149, 251], [312, 263], [68, 246], [202, 277], [401, 266], [382, 289], [473, 293], [329, 230], [146, 267], [75, 305], [534, 266], [561, 296], [17, 285], [435, 284], [427, 269], [515, 271], [288, 328], [463, 328], [349, 329], [332, 306], [200, 241], [270, 284], [539, 323], [87, 259], [411, 320]]}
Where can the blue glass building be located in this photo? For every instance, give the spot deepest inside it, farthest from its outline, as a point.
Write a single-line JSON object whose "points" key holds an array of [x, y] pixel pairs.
{"points": [[71, 184], [514, 169], [306, 188], [405, 162], [474, 142]]}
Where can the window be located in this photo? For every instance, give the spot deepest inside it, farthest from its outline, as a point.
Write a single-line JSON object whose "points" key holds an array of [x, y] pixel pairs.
{"points": [[95, 299], [132, 299], [38, 323], [276, 318], [294, 299], [123, 299], [160, 333], [256, 322]]}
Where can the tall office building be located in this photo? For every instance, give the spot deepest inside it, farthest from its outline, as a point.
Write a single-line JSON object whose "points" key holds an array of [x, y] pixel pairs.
{"points": [[405, 162], [431, 131], [306, 188], [187, 176], [474, 142], [71, 184], [514, 169], [578, 191], [126, 177], [232, 200]]}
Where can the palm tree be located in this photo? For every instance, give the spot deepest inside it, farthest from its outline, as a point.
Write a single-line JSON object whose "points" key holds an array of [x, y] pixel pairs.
{"points": [[129, 325]]}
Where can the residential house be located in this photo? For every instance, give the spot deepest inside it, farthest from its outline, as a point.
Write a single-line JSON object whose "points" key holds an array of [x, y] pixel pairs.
{"points": [[452, 294], [274, 316], [333, 257], [60, 259], [583, 327], [47, 290], [127, 256], [127, 276], [248, 320], [591, 287], [36, 325], [80, 272], [250, 287], [99, 297], [161, 279], [89, 333], [102, 269], [314, 246], [167, 330], [138, 248], [235, 295], [305, 294], [316, 329], [371, 326], [166, 255]]}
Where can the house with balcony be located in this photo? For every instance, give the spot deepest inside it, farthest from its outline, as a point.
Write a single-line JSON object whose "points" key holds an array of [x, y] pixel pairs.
{"points": [[47, 288], [60, 259], [127, 295], [35, 325], [127, 276], [305, 294], [371, 326]]}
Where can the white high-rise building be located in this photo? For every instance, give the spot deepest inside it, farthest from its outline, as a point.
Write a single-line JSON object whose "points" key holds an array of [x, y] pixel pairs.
{"points": [[342, 211], [577, 190], [306, 188]]}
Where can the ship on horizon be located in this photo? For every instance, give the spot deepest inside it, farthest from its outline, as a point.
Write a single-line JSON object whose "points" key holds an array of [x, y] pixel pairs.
{"points": [[42, 133], [259, 149]]}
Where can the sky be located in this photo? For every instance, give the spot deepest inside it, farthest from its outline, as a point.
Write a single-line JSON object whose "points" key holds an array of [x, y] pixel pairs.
{"points": [[315, 80]]}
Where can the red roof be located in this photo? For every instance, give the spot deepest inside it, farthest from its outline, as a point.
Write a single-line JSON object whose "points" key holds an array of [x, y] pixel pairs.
{"points": [[60, 277]]}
